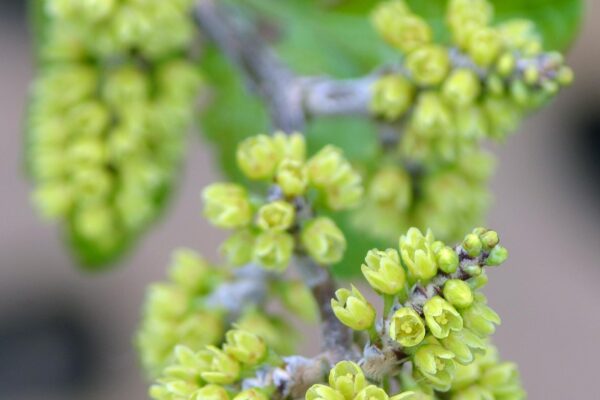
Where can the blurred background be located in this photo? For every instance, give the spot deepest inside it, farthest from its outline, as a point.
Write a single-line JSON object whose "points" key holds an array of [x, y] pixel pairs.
{"points": [[65, 335]]}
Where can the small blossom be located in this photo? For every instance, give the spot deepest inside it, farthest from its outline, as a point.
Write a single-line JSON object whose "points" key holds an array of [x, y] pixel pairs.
{"points": [[497, 256], [257, 157], [220, 368], [484, 46], [428, 65], [447, 259], [323, 392], [383, 271], [244, 346], [347, 378], [292, 177], [480, 318], [250, 394], [417, 254], [276, 216], [372, 392], [226, 205], [436, 364], [352, 309], [392, 96], [464, 345], [323, 240], [290, 147], [238, 248], [441, 317], [407, 327], [212, 392], [462, 87], [273, 250], [472, 245]]}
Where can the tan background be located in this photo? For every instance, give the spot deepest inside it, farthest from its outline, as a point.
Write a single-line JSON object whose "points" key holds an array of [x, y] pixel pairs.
{"points": [[548, 214]]}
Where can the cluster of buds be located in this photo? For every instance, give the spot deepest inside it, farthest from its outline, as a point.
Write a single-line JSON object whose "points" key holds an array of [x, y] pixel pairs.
{"points": [[478, 87], [106, 128], [182, 312], [174, 314], [434, 314], [269, 229], [214, 373], [347, 381], [447, 199]]}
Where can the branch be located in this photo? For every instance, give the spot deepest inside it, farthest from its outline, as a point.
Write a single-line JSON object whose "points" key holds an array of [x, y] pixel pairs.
{"points": [[283, 94]]}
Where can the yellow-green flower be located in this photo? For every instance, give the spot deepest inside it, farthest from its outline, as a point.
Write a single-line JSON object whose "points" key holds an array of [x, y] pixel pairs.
{"points": [[391, 186], [484, 46], [323, 392], [399, 27], [239, 247], [462, 87], [244, 346], [417, 254], [441, 317], [290, 147], [428, 65], [431, 116], [480, 318], [383, 271], [347, 378], [412, 395], [250, 394], [392, 96], [219, 367], [352, 309], [292, 177], [447, 259], [458, 293], [464, 344], [190, 270], [372, 392], [226, 205], [212, 392], [273, 250], [436, 364], [497, 256], [276, 216], [323, 240], [257, 157], [407, 327]]}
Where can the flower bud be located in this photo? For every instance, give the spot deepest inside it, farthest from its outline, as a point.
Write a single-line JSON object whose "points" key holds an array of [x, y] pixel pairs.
{"points": [[324, 166], [464, 345], [472, 245], [392, 96], [391, 186], [565, 76], [189, 270], [347, 378], [411, 395], [273, 250], [53, 200], [458, 293], [506, 64], [251, 394], [484, 46], [276, 216], [352, 309], [212, 392], [441, 317], [219, 368], [245, 347], [407, 327], [290, 147], [417, 254], [431, 116], [372, 392], [292, 177], [497, 256], [480, 318], [489, 239], [238, 248], [447, 259], [462, 87], [399, 27], [257, 157], [298, 298], [323, 392], [383, 271], [436, 364], [226, 205], [428, 65], [323, 240]]}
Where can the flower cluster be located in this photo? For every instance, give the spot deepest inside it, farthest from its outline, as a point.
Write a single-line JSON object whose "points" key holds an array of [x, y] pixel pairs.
{"points": [[480, 86], [108, 115], [487, 378], [268, 229], [434, 314], [446, 199], [180, 312], [214, 373], [347, 381]]}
